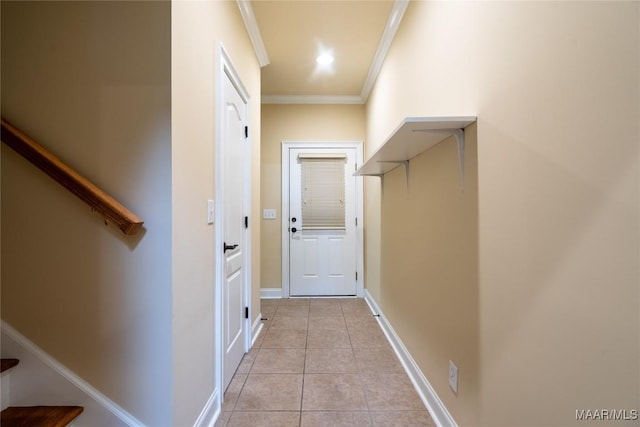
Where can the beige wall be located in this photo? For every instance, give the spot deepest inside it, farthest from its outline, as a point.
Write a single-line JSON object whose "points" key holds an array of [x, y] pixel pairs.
{"points": [[91, 82], [197, 27], [430, 266], [546, 321], [295, 123]]}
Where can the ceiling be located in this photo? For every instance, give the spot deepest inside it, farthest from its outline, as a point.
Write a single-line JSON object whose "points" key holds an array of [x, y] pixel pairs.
{"points": [[288, 36]]}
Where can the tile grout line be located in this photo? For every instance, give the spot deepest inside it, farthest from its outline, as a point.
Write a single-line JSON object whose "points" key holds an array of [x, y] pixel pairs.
{"points": [[304, 366], [258, 349], [360, 373]]}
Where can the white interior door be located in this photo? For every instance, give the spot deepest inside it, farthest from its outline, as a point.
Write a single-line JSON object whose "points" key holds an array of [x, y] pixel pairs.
{"points": [[233, 193], [322, 221]]}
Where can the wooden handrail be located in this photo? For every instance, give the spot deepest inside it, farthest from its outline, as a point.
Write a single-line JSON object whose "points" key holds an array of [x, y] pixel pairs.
{"points": [[88, 192]]}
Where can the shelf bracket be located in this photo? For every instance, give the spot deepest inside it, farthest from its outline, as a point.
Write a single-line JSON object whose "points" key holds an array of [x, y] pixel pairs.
{"points": [[402, 162], [459, 134]]}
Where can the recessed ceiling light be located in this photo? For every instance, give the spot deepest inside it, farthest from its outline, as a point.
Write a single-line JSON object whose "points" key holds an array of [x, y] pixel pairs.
{"points": [[324, 59]]}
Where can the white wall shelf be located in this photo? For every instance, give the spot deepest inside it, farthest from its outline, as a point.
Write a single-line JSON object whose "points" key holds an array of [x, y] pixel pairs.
{"points": [[414, 136]]}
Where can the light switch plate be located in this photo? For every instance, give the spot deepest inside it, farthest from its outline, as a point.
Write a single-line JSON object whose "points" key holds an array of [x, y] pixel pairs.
{"points": [[269, 214], [211, 211], [453, 377]]}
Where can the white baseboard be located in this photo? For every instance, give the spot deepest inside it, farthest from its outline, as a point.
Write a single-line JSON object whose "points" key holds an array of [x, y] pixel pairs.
{"points": [[5, 385], [210, 412], [40, 379], [256, 328], [436, 408], [270, 293]]}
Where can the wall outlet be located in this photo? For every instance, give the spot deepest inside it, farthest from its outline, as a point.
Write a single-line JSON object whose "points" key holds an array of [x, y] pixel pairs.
{"points": [[269, 213], [453, 377]]}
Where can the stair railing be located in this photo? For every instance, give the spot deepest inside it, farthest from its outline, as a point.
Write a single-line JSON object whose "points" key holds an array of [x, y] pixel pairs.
{"points": [[112, 210]]}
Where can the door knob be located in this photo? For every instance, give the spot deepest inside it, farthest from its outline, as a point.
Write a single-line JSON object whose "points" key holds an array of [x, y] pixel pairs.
{"points": [[229, 247], [293, 219], [293, 230]]}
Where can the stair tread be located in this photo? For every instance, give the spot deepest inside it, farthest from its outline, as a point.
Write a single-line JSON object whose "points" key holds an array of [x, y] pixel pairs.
{"points": [[8, 364], [39, 416]]}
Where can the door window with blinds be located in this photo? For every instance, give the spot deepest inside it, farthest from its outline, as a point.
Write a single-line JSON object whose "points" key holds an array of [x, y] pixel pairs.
{"points": [[323, 191]]}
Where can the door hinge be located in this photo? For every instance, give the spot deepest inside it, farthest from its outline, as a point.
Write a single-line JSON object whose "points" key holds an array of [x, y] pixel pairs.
{"points": [[246, 312], [246, 222], [246, 131], [356, 276], [356, 221]]}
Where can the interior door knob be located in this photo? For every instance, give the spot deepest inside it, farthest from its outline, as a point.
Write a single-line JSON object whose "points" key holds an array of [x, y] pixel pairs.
{"points": [[229, 247], [293, 229]]}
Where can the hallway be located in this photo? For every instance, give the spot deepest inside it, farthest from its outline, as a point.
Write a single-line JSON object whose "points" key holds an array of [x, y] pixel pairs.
{"points": [[321, 362]]}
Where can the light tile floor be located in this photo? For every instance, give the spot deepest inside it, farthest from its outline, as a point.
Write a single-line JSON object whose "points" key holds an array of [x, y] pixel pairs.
{"points": [[321, 362]]}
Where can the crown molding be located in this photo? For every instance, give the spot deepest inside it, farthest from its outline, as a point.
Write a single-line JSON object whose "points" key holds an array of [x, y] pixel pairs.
{"points": [[251, 25], [395, 17], [312, 99], [393, 23]]}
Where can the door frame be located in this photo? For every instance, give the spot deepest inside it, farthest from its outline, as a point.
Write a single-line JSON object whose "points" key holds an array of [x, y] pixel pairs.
{"points": [[284, 216], [225, 67]]}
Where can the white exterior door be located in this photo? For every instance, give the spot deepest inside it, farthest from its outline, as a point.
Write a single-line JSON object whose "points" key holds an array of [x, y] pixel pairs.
{"points": [[233, 193], [322, 221]]}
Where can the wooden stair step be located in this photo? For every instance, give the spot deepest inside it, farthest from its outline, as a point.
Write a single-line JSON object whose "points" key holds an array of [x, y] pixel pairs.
{"points": [[39, 416], [8, 364]]}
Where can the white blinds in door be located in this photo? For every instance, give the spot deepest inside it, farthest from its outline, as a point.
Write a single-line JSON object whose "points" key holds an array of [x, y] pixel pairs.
{"points": [[323, 190]]}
